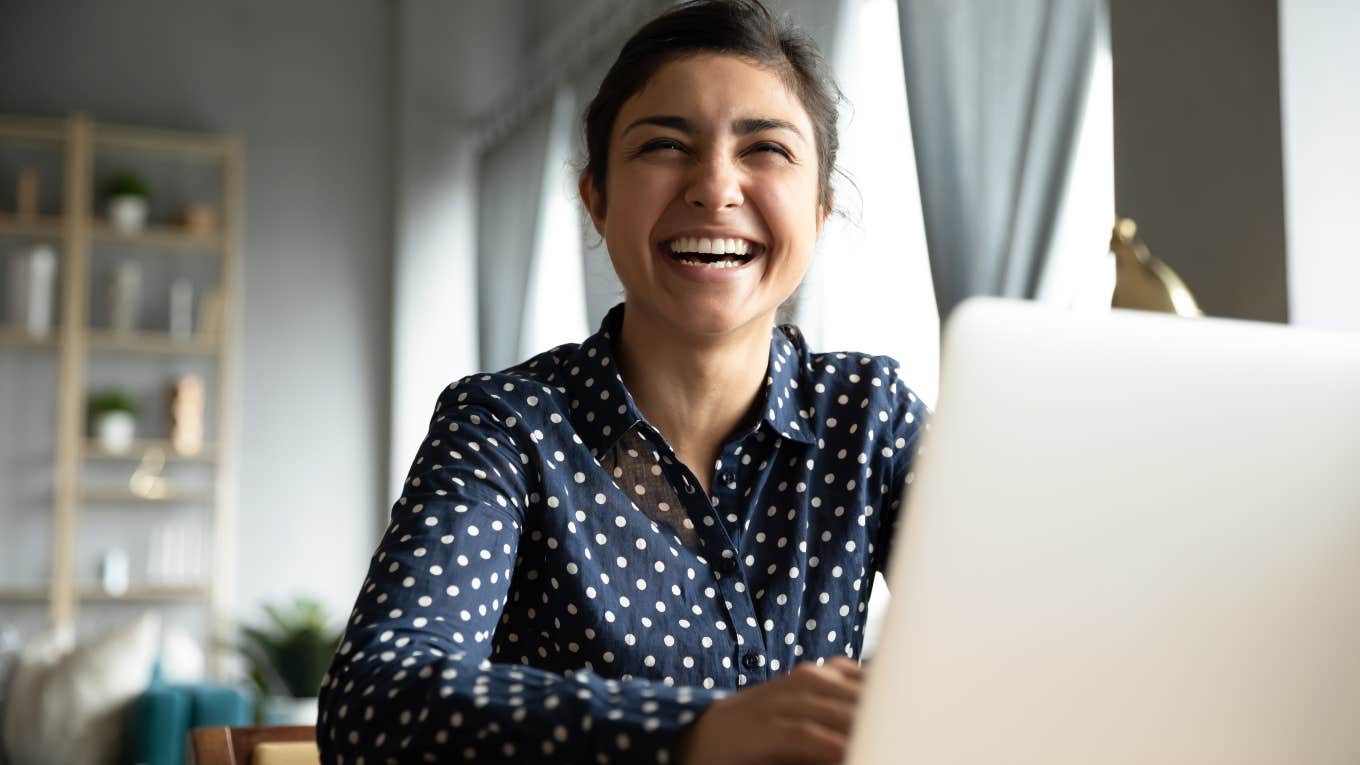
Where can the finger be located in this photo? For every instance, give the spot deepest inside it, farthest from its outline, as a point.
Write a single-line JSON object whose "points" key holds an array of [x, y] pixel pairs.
{"points": [[806, 743], [835, 714], [847, 667], [828, 682]]}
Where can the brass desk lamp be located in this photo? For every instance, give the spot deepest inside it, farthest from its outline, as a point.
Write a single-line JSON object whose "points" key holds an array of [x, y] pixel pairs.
{"points": [[1144, 282]]}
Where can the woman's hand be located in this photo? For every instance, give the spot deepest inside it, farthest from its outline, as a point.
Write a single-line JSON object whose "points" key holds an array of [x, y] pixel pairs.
{"points": [[802, 717]]}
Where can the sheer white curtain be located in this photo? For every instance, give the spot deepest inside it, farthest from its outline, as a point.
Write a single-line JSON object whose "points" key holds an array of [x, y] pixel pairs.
{"points": [[555, 300], [998, 91], [531, 292], [509, 195], [1079, 270], [869, 287]]}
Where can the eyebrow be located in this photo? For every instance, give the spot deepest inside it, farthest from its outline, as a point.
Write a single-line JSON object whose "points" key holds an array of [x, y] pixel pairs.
{"points": [[740, 127]]}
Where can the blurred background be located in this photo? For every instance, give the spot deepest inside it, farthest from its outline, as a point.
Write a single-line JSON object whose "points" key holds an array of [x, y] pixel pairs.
{"points": [[246, 244]]}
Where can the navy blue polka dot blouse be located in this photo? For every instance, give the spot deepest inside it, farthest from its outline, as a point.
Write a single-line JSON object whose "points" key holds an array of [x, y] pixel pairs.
{"points": [[555, 585]]}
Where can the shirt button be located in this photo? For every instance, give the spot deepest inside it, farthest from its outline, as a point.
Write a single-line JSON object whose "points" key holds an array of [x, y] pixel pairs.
{"points": [[727, 565], [751, 660], [726, 477]]}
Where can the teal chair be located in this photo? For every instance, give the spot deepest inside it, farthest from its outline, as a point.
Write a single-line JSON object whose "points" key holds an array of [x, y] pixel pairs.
{"points": [[160, 720]]}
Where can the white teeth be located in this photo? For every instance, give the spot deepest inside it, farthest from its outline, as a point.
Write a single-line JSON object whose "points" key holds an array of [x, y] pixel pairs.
{"points": [[717, 264], [707, 246]]}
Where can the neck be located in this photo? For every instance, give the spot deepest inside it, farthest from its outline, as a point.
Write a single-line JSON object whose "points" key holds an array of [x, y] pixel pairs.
{"points": [[695, 390]]}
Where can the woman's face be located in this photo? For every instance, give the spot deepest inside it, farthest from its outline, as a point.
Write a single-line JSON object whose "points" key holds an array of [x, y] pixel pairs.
{"points": [[711, 205]]}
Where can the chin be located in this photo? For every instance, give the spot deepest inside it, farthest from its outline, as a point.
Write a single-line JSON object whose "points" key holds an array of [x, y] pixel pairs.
{"points": [[714, 317]]}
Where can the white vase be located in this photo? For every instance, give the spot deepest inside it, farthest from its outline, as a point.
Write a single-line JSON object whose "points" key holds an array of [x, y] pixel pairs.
{"points": [[127, 213], [182, 309], [32, 275], [125, 296], [113, 572], [287, 710], [115, 431]]}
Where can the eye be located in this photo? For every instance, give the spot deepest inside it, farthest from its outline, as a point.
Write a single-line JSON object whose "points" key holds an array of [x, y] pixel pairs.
{"points": [[772, 148], [660, 144]]}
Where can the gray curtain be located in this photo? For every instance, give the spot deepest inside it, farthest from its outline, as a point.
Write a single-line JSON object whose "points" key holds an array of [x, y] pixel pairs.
{"points": [[508, 200], [996, 90]]}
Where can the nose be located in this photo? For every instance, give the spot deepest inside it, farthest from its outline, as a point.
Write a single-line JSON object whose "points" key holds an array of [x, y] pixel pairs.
{"points": [[715, 184]]}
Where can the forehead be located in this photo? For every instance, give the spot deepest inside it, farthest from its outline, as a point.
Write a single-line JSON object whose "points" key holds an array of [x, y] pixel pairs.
{"points": [[712, 89]]}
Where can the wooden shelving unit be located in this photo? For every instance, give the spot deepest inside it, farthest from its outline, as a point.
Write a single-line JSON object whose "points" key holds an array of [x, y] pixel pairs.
{"points": [[76, 232], [34, 594], [93, 451], [147, 594], [108, 495], [166, 238], [38, 228], [151, 342], [14, 337]]}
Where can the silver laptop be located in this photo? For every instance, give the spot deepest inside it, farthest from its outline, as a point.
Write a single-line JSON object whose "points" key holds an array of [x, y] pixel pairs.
{"points": [[1132, 538]]}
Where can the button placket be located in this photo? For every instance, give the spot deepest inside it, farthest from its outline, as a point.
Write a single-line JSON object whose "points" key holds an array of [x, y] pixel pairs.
{"points": [[717, 538], [730, 574]]}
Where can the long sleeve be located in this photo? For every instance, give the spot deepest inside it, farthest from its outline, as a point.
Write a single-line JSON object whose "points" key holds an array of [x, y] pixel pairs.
{"points": [[414, 679], [908, 421]]}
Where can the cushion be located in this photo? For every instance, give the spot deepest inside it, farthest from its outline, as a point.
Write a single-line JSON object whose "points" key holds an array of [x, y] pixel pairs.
{"points": [[161, 718], [9, 657], [289, 753], [217, 704], [76, 697]]}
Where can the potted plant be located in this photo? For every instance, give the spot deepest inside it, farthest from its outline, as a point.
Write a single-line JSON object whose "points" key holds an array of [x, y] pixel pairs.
{"points": [[288, 657], [113, 415], [126, 197]]}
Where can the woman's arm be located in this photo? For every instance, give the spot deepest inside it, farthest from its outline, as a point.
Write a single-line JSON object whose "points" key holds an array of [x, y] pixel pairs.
{"points": [[413, 680], [908, 422]]}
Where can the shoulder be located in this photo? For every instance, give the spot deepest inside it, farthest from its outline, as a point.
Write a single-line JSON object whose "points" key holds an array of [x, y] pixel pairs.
{"points": [[857, 388], [523, 396]]}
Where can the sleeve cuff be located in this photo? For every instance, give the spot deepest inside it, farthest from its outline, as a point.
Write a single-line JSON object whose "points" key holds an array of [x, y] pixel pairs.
{"points": [[639, 720]]}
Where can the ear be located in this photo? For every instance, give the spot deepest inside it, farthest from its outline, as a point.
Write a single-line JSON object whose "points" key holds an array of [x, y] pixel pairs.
{"points": [[593, 199]]}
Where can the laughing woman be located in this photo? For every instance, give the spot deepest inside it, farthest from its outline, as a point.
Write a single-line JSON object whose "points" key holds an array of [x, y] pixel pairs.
{"points": [[649, 546]]}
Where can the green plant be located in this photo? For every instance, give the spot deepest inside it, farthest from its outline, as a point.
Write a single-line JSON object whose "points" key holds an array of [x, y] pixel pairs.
{"points": [[289, 655], [125, 184], [112, 400]]}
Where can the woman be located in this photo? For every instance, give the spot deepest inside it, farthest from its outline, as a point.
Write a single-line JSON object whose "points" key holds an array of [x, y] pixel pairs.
{"points": [[648, 546]]}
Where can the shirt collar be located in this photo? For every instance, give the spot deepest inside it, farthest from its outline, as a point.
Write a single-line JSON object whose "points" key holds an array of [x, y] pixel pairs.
{"points": [[784, 407], [602, 409]]}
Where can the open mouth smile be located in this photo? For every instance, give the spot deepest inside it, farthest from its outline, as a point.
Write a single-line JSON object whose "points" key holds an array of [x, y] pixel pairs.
{"points": [[716, 253]]}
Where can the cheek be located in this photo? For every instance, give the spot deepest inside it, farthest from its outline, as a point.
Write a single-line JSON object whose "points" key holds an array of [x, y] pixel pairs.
{"points": [[791, 213], [637, 198]]}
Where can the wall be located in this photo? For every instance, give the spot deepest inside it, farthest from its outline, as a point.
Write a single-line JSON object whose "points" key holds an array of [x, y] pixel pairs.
{"points": [[1320, 91], [307, 83], [1197, 146]]}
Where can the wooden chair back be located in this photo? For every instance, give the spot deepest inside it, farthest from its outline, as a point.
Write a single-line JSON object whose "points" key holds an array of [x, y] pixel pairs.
{"points": [[236, 746]]}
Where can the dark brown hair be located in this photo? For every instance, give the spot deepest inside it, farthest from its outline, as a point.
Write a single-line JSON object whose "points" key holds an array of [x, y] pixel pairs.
{"points": [[737, 27]]}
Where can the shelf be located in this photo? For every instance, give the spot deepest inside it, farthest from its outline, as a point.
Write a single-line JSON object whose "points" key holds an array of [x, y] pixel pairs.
{"points": [[143, 594], [172, 238], [146, 594], [34, 593], [123, 496], [91, 451], [151, 342], [14, 337], [195, 145], [42, 227], [41, 130]]}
